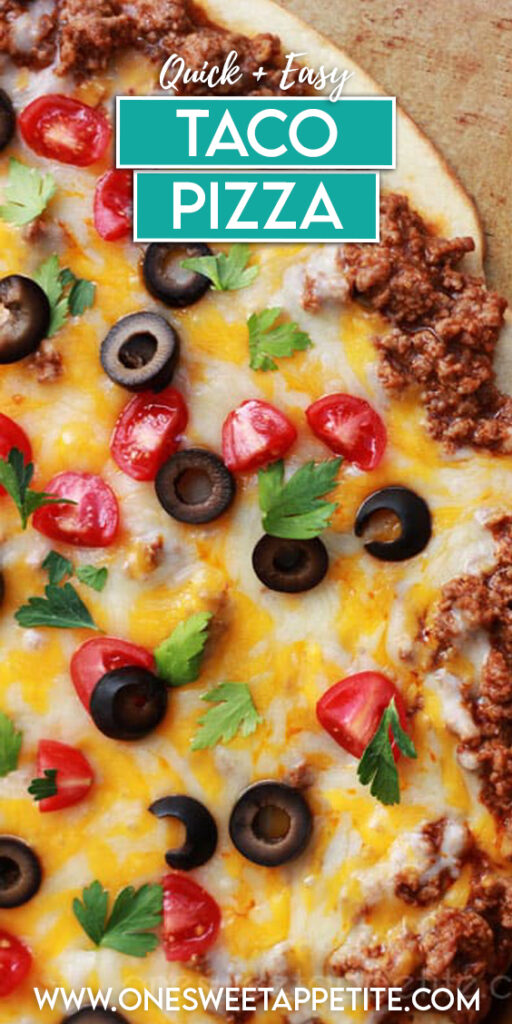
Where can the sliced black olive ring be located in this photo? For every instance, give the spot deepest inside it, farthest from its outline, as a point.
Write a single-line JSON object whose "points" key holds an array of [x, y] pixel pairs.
{"points": [[290, 566], [167, 280], [414, 518], [20, 872], [140, 351], [271, 823], [194, 486], [90, 1016], [128, 703], [7, 119], [201, 831], [24, 317]]}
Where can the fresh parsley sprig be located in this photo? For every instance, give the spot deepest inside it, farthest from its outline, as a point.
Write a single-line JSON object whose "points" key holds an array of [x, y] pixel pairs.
{"points": [[234, 712], [68, 295], [61, 607], [227, 273], [178, 659], [377, 767], [267, 341], [27, 193], [93, 577], [128, 928], [10, 745], [15, 477], [42, 788], [296, 509]]}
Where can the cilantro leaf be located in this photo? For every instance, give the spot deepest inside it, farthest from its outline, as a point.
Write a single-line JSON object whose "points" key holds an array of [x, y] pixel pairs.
{"points": [[295, 509], [43, 788], [10, 746], [61, 607], [92, 576], [27, 193], [235, 710], [57, 567], [227, 273], [15, 476], [67, 294], [134, 913], [377, 767], [178, 659], [266, 341]]}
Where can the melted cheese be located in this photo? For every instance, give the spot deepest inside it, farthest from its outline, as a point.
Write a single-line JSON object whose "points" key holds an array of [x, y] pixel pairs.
{"points": [[290, 648]]}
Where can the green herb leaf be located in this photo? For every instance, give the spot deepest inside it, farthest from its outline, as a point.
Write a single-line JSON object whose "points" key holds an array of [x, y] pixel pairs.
{"points": [[57, 567], [377, 767], [234, 711], [227, 273], [92, 576], [62, 608], [266, 341], [178, 659], [295, 509], [66, 294], [41, 789], [10, 746], [134, 913], [15, 476], [27, 193]]}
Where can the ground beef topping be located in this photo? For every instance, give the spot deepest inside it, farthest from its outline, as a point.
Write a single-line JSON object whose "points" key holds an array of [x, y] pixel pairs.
{"points": [[484, 602], [82, 37], [444, 845], [445, 324]]}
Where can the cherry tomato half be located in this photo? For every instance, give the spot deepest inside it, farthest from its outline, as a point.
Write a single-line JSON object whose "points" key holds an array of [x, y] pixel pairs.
{"points": [[351, 710], [191, 919], [147, 432], [102, 654], [113, 205], [61, 128], [74, 774], [15, 962], [12, 436], [349, 427], [92, 522], [254, 434]]}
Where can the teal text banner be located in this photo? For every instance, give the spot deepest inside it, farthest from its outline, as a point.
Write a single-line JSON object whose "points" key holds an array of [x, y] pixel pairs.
{"points": [[256, 132], [251, 207]]}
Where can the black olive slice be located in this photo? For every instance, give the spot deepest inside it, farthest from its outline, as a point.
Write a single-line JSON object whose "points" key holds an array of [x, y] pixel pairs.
{"points": [[140, 351], [271, 823], [167, 280], [128, 703], [20, 872], [7, 119], [195, 486], [24, 317], [290, 566], [89, 1016], [414, 517], [201, 831]]}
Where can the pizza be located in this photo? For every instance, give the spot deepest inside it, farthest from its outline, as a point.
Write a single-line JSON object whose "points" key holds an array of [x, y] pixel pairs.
{"points": [[256, 551]]}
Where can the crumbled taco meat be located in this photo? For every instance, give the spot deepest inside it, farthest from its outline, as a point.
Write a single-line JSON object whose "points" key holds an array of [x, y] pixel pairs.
{"points": [[446, 845], [83, 37], [445, 324], [484, 602], [460, 953]]}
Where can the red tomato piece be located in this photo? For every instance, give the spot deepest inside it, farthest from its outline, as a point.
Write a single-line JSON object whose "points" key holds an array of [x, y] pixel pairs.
{"points": [[255, 434], [92, 522], [191, 918], [102, 654], [349, 427], [74, 774], [15, 962], [147, 432], [351, 710], [62, 128], [113, 205], [12, 436]]}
